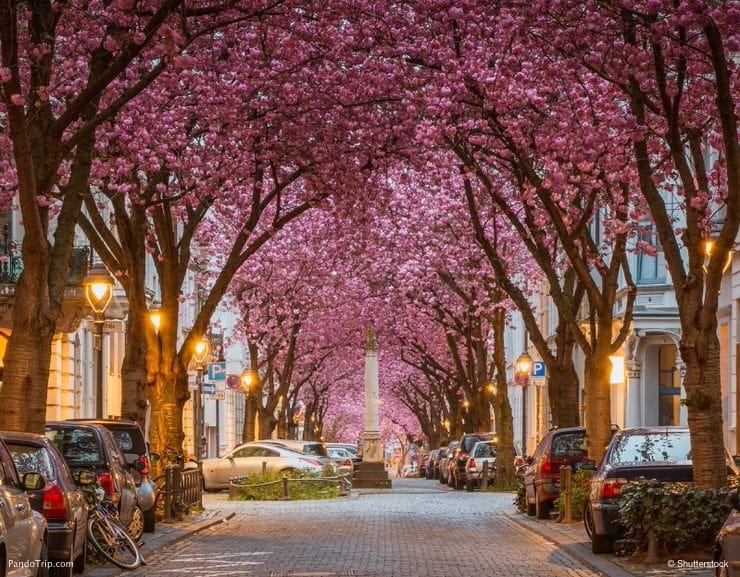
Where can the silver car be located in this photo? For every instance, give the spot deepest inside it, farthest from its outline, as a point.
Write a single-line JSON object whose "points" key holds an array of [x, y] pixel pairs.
{"points": [[255, 457], [342, 459], [314, 448], [22, 530]]}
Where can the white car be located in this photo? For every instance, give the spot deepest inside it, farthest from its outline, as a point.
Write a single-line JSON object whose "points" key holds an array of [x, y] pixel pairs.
{"points": [[255, 457], [22, 530], [482, 452]]}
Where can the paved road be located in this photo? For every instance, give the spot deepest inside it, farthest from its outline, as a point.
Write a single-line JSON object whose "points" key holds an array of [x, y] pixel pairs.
{"points": [[418, 529]]}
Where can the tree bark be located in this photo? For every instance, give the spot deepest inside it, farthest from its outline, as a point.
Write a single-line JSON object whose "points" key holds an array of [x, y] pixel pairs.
{"points": [[505, 453], [598, 402]]}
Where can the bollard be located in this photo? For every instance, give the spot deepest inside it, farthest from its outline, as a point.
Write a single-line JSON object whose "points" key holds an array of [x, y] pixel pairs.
{"points": [[264, 467], [285, 496], [168, 482], [566, 487], [484, 480], [652, 549]]}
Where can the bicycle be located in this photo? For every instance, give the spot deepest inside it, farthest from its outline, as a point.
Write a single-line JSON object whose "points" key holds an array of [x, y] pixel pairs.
{"points": [[104, 530]]}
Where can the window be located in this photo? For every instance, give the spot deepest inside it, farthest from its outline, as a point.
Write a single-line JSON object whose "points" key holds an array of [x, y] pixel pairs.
{"points": [[650, 260], [651, 448], [77, 446], [244, 452], [569, 445], [669, 387], [32, 459]]}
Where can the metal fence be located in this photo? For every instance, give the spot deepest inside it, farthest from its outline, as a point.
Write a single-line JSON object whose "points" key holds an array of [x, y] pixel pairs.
{"points": [[342, 482], [183, 489]]}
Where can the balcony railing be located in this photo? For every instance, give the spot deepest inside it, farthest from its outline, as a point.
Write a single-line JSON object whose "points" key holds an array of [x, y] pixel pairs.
{"points": [[11, 261]]}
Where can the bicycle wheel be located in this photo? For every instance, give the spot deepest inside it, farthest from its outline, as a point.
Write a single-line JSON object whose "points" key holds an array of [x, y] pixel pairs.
{"points": [[159, 499], [113, 542]]}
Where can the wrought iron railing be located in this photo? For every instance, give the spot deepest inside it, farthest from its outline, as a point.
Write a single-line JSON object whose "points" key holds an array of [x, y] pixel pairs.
{"points": [[11, 261]]}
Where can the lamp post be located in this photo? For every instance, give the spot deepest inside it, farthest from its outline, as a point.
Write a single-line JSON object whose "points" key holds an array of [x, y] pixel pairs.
{"points": [[199, 356], [98, 291], [247, 379], [523, 365]]}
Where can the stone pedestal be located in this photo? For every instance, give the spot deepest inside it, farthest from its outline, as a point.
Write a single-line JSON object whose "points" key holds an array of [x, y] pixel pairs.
{"points": [[371, 476]]}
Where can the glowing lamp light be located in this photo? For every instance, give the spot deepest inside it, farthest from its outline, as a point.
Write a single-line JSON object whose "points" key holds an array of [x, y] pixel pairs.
{"points": [[98, 288], [708, 249], [201, 351], [156, 319], [524, 363], [247, 379]]}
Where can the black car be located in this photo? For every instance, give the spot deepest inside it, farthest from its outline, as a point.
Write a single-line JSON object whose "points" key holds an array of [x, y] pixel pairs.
{"points": [[131, 441], [60, 501], [93, 448], [661, 453], [458, 472]]}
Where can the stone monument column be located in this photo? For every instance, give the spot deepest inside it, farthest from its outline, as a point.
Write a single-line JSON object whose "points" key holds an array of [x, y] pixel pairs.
{"points": [[372, 473]]}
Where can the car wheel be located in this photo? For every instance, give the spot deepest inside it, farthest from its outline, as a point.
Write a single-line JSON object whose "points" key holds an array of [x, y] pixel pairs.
{"points": [[601, 544], [136, 526], [3, 563], [150, 520], [469, 486], [43, 568], [588, 520], [66, 569], [542, 508]]}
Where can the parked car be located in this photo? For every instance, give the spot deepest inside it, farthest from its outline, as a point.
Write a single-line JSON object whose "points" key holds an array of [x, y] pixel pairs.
{"points": [[458, 472], [131, 441], [314, 448], [23, 531], [727, 543], [424, 464], [93, 448], [564, 446], [444, 462], [351, 449], [250, 458], [661, 453], [60, 500], [342, 459], [435, 461], [482, 456]]}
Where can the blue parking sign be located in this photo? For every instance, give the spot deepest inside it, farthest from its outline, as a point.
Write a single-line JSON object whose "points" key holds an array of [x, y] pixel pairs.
{"points": [[538, 369]]}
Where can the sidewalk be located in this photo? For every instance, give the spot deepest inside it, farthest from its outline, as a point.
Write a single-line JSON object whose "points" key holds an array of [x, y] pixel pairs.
{"points": [[572, 539], [167, 535]]}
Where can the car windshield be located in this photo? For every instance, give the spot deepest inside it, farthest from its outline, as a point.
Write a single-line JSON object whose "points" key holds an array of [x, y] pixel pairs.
{"points": [[485, 451], [646, 448], [78, 445], [569, 445], [315, 449], [469, 442], [32, 459]]}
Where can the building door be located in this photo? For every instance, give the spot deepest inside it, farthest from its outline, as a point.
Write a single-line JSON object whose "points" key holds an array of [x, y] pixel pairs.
{"points": [[669, 387]]}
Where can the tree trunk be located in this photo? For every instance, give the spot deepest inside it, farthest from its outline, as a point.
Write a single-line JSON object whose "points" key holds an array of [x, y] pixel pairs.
{"points": [[505, 453], [134, 389], [700, 352], [562, 394], [168, 397], [598, 402], [250, 415]]}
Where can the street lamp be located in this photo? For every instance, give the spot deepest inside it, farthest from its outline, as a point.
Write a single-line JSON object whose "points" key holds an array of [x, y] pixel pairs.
{"points": [[523, 365], [200, 353], [155, 316], [99, 292]]}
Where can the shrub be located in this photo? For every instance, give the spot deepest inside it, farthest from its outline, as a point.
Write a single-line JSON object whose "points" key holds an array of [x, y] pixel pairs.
{"points": [[269, 486], [679, 514], [579, 495]]}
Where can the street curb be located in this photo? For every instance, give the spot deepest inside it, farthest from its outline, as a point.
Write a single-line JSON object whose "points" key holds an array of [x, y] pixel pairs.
{"points": [[192, 532], [600, 565], [186, 534]]}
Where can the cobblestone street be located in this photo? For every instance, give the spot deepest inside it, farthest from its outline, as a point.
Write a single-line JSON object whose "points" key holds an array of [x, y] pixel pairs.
{"points": [[419, 529]]}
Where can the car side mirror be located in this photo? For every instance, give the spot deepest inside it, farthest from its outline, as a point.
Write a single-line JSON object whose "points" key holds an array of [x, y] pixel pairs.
{"points": [[529, 460], [138, 465], [33, 482], [87, 478], [154, 457]]}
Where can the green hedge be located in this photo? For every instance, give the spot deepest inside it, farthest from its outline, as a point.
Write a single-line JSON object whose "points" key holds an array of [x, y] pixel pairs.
{"points": [[579, 495], [269, 487], [680, 515], [520, 500]]}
